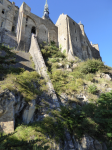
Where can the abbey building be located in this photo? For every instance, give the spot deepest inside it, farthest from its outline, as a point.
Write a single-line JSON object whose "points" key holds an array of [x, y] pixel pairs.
{"points": [[17, 25]]}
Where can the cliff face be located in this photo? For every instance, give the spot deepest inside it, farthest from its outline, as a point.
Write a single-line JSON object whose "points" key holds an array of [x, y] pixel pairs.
{"points": [[82, 90]]}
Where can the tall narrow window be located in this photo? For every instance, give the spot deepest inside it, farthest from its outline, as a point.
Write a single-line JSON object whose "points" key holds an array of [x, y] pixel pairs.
{"points": [[2, 24], [27, 19], [75, 30], [13, 28], [76, 38], [3, 11]]}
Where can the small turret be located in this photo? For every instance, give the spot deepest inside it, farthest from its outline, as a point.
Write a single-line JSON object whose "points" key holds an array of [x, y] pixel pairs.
{"points": [[82, 28]]}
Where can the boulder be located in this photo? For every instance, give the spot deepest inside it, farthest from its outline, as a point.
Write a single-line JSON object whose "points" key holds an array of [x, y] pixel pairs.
{"points": [[29, 112], [75, 65], [105, 76]]}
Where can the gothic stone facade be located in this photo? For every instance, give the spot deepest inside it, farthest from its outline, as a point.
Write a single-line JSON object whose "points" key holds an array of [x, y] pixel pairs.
{"points": [[17, 25]]}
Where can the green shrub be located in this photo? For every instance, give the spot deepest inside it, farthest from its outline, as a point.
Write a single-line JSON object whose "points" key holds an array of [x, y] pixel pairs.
{"points": [[64, 52], [92, 66], [92, 89], [16, 70]]}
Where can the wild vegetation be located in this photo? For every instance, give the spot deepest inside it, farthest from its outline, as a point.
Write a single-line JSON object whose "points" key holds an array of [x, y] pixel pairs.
{"points": [[92, 118]]}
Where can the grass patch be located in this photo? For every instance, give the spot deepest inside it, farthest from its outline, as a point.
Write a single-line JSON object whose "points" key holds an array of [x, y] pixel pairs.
{"points": [[29, 84]]}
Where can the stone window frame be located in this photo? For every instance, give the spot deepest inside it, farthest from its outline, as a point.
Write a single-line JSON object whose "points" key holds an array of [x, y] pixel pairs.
{"points": [[1, 1]]}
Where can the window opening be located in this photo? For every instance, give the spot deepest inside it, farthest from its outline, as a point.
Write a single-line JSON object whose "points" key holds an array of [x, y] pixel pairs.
{"points": [[33, 30], [76, 38], [13, 28], [75, 31], [27, 19], [16, 11], [2, 24], [73, 23], [3, 11]]}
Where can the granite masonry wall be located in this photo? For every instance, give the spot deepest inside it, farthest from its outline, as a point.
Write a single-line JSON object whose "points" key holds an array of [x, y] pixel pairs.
{"points": [[72, 38], [29, 23]]}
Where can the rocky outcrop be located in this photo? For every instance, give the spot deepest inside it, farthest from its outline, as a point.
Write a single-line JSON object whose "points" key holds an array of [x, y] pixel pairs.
{"points": [[13, 106]]}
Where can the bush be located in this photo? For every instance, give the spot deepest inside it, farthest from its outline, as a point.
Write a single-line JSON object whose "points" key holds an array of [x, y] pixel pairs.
{"points": [[92, 89], [92, 66]]}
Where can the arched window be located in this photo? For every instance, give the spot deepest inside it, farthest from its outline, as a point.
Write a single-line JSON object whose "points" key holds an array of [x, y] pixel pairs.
{"points": [[1, 1], [33, 30], [3, 11], [13, 28]]}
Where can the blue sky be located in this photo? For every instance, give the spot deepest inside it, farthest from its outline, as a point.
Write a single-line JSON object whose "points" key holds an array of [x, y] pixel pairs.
{"points": [[96, 15]]}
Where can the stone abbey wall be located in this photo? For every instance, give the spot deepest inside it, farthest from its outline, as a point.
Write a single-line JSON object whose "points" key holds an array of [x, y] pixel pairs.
{"points": [[67, 34], [72, 38], [8, 23], [29, 23], [8, 15]]}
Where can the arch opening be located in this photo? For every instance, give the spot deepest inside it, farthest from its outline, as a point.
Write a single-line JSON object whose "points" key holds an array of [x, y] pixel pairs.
{"points": [[33, 30]]}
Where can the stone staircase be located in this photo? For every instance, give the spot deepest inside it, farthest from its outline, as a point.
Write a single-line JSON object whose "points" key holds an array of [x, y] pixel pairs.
{"points": [[41, 68]]}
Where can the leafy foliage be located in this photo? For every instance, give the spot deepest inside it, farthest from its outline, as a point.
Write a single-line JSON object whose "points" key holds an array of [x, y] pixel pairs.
{"points": [[29, 84], [92, 89], [92, 66]]}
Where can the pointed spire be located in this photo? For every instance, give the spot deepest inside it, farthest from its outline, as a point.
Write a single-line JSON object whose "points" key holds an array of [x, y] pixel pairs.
{"points": [[46, 12], [46, 8]]}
